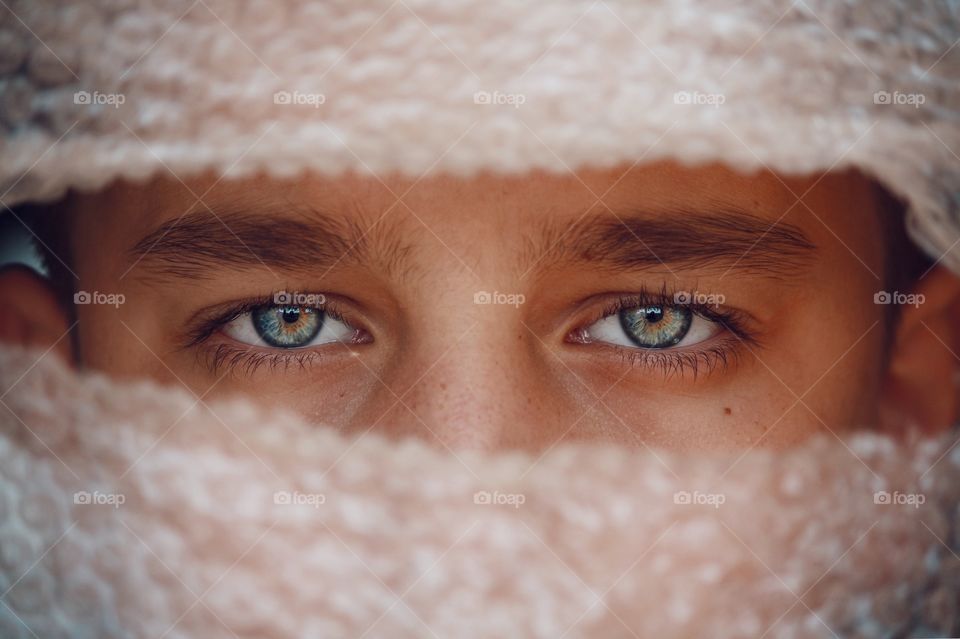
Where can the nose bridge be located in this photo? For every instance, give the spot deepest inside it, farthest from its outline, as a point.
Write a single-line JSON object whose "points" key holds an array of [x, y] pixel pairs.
{"points": [[464, 362], [474, 388]]}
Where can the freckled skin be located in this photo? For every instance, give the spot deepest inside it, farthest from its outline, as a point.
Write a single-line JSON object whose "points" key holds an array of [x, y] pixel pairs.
{"points": [[459, 373]]}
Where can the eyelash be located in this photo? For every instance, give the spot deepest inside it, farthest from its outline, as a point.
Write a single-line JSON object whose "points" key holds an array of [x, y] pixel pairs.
{"points": [[720, 354], [247, 359]]}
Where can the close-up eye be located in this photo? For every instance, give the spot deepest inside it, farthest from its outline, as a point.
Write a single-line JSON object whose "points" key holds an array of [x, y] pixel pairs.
{"points": [[652, 326], [287, 326]]}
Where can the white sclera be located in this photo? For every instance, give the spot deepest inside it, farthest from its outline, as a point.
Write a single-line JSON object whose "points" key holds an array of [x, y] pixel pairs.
{"points": [[610, 331]]}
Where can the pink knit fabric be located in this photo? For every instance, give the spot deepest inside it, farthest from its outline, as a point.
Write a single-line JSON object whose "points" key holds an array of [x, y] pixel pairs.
{"points": [[96, 90], [135, 511]]}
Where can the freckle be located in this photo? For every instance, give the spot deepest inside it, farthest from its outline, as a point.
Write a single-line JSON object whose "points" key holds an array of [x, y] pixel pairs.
{"points": [[727, 411]]}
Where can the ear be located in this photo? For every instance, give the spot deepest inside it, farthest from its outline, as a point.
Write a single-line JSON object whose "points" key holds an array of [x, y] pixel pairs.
{"points": [[30, 314], [922, 386]]}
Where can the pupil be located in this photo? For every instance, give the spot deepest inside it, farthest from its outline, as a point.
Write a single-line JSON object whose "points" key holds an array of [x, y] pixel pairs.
{"points": [[290, 315], [653, 315]]}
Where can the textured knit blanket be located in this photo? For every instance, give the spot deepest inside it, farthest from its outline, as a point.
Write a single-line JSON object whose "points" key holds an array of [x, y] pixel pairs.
{"points": [[137, 511]]}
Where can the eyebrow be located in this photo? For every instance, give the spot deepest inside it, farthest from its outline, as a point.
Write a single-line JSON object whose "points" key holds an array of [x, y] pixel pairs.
{"points": [[725, 240], [296, 238], [200, 243]]}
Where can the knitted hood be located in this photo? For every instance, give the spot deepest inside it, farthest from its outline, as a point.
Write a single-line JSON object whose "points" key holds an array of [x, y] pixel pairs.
{"points": [[132, 510], [93, 91]]}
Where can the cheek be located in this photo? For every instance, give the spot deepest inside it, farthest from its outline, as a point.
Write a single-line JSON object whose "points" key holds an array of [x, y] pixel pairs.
{"points": [[843, 367], [848, 396], [774, 403], [746, 413]]}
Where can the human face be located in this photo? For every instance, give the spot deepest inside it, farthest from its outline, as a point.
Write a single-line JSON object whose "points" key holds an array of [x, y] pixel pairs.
{"points": [[659, 306]]}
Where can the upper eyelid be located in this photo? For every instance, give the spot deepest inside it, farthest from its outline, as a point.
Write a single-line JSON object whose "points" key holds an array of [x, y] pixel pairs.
{"points": [[721, 312], [205, 322], [623, 301]]}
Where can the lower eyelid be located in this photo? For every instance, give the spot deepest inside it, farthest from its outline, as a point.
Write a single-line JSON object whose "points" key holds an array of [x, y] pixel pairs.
{"points": [[239, 357], [240, 360], [694, 362]]}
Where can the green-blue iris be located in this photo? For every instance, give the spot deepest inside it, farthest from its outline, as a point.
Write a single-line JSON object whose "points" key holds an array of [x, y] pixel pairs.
{"points": [[656, 326], [287, 326]]}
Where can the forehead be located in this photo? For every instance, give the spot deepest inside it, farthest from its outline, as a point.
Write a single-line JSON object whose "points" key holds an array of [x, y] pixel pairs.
{"points": [[654, 186]]}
